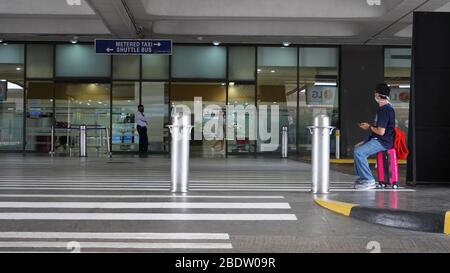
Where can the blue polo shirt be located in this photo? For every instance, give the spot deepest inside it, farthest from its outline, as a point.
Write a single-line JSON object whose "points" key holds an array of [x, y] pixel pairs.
{"points": [[385, 118]]}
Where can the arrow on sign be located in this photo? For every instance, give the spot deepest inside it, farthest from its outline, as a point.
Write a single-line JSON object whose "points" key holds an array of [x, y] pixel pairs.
{"points": [[157, 44], [109, 49]]}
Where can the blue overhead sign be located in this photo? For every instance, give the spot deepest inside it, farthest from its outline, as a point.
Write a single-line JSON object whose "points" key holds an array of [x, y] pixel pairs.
{"points": [[133, 47]]}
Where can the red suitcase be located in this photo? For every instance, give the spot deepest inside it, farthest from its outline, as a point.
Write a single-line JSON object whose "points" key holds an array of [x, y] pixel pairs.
{"points": [[387, 168]]}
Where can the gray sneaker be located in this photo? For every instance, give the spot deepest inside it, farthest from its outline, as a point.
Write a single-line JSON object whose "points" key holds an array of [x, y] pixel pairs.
{"points": [[366, 185]]}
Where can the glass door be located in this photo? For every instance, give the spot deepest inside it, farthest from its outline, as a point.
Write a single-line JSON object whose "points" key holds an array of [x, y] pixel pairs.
{"points": [[81, 104], [205, 139]]}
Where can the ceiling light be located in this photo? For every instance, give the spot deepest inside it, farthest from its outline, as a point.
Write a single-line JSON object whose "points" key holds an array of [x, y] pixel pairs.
{"points": [[405, 86], [325, 84], [231, 83], [2, 80], [272, 71], [216, 43], [74, 40], [5, 44], [200, 38], [259, 70], [303, 91], [223, 84], [286, 43], [1, 40], [99, 102], [18, 68]]}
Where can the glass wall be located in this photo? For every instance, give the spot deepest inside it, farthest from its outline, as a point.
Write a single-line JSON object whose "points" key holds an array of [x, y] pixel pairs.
{"points": [[39, 115], [81, 104], [277, 89], [68, 84], [125, 97], [155, 98], [212, 95], [397, 73], [319, 91], [11, 96]]}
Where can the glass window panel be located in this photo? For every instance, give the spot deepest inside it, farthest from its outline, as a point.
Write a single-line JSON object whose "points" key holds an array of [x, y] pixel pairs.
{"points": [[277, 56], [11, 54], [156, 102], [277, 87], [318, 57], [11, 115], [39, 61], [11, 97], [242, 97], [241, 64], [81, 61], [319, 92], [208, 62], [397, 73], [126, 67], [211, 94], [155, 67], [125, 101], [77, 104], [39, 116]]}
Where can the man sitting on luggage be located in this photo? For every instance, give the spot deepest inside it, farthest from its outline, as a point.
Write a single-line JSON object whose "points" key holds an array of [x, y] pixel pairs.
{"points": [[380, 138]]}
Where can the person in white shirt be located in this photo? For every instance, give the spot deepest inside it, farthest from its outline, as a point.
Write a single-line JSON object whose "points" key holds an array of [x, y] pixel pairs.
{"points": [[141, 125]]}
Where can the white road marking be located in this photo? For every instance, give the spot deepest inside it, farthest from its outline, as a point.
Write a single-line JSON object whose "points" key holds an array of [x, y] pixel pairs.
{"points": [[145, 205], [149, 216], [115, 235], [121, 245], [143, 196]]}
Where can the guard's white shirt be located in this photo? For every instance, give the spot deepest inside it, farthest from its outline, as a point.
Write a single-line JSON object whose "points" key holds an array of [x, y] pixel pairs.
{"points": [[140, 119]]}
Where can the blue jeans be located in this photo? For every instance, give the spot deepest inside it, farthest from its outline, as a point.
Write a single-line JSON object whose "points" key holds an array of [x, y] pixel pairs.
{"points": [[361, 153]]}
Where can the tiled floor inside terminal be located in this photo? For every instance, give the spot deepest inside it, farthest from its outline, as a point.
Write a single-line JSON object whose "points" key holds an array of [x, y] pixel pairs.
{"points": [[124, 204]]}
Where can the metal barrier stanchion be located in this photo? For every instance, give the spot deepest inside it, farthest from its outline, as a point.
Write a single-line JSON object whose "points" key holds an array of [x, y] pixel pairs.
{"points": [[321, 132], [338, 144], [181, 134], [284, 142], [83, 141], [52, 142], [108, 145]]}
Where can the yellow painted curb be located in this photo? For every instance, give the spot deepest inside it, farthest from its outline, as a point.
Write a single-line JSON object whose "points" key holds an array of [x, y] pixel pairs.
{"points": [[447, 223], [338, 207]]}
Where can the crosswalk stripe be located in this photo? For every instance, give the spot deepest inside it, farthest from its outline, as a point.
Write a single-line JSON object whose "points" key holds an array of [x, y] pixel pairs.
{"points": [[116, 245], [145, 205], [115, 235], [143, 196], [149, 216]]}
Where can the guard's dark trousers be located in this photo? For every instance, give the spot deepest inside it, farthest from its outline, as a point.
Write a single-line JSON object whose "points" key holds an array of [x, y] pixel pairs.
{"points": [[143, 139]]}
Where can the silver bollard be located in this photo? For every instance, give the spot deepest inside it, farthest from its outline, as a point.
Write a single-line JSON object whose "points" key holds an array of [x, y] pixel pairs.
{"points": [[181, 135], [83, 140], [52, 142], [338, 143], [321, 132], [284, 142]]}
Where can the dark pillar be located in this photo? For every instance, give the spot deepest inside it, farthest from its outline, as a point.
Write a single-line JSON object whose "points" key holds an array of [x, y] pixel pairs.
{"points": [[362, 67], [429, 130]]}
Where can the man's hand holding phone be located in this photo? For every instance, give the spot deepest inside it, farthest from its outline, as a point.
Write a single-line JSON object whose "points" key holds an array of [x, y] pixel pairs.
{"points": [[364, 125]]}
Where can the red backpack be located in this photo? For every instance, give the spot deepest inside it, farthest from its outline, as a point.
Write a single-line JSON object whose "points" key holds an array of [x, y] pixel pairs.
{"points": [[400, 144]]}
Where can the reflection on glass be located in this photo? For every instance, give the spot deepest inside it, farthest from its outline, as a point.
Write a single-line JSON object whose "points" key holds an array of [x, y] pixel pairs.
{"points": [[243, 96], [77, 104], [212, 94], [155, 100], [39, 116], [318, 91], [397, 73], [125, 102], [11, 96], [277, 86]]}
